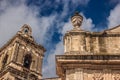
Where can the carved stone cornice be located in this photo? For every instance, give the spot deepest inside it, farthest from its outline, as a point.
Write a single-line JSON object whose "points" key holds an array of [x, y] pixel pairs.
{"points": [[75, 32], [65, 62], [93, 34], [78, 53], [88, 57]]}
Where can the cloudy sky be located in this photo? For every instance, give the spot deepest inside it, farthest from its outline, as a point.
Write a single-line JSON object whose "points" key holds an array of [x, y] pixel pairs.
{"points": [[50, 19]]}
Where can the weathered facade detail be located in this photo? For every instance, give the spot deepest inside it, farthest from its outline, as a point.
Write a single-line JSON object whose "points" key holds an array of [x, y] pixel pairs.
{"points": [[21, 58], [89, 55], [92, 42]]}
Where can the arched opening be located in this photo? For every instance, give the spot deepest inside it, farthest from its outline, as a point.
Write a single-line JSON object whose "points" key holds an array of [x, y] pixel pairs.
{"points": [[27, 61], [26, 30]]}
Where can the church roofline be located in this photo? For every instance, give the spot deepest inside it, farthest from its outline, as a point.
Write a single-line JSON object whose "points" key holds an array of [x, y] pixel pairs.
{"points": [[89, 32], [112, 28]]}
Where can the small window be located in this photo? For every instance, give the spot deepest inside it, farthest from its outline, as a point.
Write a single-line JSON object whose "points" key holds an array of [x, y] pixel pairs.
{"points": [[27, 61], [26, 30]]}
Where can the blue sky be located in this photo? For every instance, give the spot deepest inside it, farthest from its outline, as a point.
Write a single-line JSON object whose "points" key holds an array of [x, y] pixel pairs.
{"points": [[50, 19]]}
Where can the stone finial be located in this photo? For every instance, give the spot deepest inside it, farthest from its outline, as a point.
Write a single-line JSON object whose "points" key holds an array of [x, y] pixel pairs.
{"points": [[76, 20]]}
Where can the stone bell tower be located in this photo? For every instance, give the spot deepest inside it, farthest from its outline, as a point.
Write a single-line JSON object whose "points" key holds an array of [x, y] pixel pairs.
{"points": [[21, 57]]}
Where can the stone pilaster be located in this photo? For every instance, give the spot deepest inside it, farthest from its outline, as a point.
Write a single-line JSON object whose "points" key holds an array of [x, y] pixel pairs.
{"points": [[79, 74], [15, 51], [21, 54], [70, 74]]}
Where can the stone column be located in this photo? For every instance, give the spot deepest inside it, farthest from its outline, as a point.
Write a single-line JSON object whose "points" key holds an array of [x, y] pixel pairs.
{"points": [[33, 65], [88, 44], [78, 74], [9, 55], [65, 45], [15, 51], [108, 74], [82, 43], [75, 43], [39, 66], [70, 74], [20, 54], [97, 45], [70, 44]]}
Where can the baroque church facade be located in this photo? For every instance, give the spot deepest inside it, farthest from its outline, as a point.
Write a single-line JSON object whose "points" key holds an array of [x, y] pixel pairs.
{"points": [[87, 55]]}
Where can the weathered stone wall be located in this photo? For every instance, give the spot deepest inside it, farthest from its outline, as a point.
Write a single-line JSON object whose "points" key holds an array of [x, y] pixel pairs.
{"points": [[7, 52], [75, 41], [105, 45], [89, 55], [84, 74], [94, 43]]}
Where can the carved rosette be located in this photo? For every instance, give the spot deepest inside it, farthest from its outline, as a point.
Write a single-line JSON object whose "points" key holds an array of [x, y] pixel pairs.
{"points": [[98, 76], [116, 76]]}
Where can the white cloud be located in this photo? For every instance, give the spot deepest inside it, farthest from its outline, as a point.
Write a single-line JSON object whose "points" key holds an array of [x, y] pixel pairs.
{"points": [[75, 2], [50, 69], [68, 3], [67, 26], [83, 2], [113, 19], [12, 17], [87, 23]]}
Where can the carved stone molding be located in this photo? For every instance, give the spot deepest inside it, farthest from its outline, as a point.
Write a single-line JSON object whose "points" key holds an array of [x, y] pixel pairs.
{"points": [[98, 76]]}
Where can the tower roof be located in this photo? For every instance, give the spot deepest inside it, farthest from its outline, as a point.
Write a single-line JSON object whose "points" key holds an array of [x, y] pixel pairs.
{"points": [[24, 34]]}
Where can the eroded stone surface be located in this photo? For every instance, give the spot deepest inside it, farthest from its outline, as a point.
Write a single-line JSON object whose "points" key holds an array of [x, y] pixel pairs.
{"points": [[90, 55], [21, 58]]}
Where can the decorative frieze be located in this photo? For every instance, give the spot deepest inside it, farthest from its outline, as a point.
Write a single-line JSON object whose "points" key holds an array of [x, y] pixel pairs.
{"points": [[88, 57], [98, 76]]}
